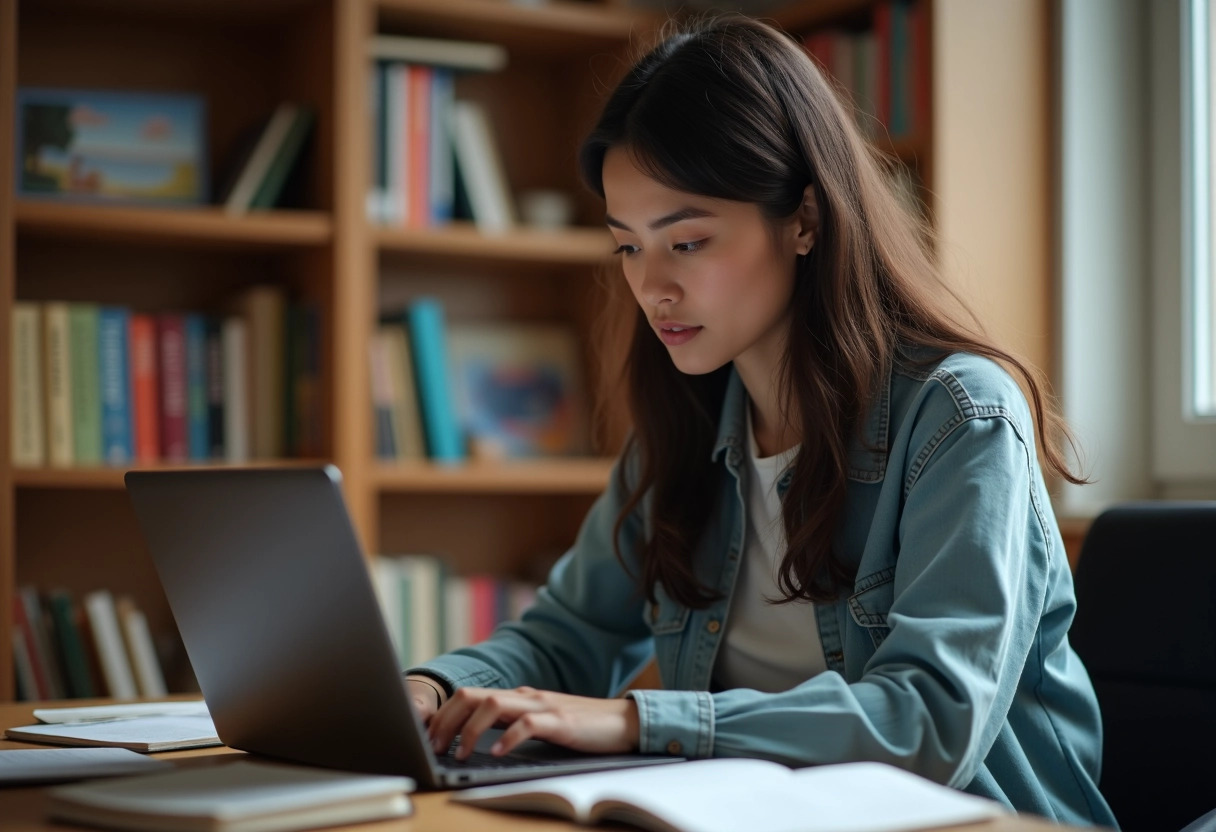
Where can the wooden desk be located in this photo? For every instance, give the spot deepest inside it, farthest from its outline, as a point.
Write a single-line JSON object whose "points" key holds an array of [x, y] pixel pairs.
{"points": [[21, 810]]}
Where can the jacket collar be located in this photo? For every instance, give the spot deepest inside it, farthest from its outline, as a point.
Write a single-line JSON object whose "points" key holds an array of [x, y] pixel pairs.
{"points": [[867, 451]]}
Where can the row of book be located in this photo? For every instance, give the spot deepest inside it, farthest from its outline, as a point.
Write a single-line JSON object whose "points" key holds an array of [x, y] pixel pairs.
{"points": [[429, 610], [434, 156], [450, 391], [884, 69], [100, 384], [97, 645]]}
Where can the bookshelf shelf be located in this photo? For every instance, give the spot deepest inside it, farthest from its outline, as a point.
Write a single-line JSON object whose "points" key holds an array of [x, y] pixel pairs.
{"points": [[461, 241], [550, 476], [200, 226], [105, 478], [555, 29]]}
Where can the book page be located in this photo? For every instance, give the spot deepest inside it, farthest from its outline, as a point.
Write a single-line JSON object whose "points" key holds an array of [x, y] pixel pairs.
{"points": [[48, 765], [195, 707], [151, 731]]}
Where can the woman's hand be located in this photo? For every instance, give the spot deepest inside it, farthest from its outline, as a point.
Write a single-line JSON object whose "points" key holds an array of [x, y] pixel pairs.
{"points": [[602, 726]]}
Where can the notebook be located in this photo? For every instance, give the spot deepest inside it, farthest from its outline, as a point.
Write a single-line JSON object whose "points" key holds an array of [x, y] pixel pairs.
{"points": [[271, 594]]}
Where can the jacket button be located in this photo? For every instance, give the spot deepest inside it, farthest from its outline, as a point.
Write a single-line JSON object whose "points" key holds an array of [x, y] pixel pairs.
{"points": [[674, 747], [714, 625]]}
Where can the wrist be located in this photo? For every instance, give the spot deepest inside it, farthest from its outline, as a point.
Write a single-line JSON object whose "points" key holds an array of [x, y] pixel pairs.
{"points": [[433, 684]]}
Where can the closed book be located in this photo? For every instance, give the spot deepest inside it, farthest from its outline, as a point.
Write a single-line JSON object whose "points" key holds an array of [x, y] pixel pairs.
{"points": [[86, 383], [215, 388], [428, 342], [419, 161], [306, 405], [264, 309], [426, 607], [397, 137], [27, 680], [56, 330], [442, 174], [243, 796], [196, 388], [117, 439], [111, 651], [382, 400], [34, 681], [454, 54], [28, 414], [43, 630], [171, 363], [403, 392], [140, 650], [72, 649], [286, 158], [481, 168], [258, 163], [145, 388], [235, 339]]}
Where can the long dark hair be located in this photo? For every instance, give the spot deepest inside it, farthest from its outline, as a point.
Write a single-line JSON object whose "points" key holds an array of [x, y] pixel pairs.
{"points": [[734, 109]]}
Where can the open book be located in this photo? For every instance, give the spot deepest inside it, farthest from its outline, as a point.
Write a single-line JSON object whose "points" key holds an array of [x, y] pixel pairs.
{"points": [[726, 795]]}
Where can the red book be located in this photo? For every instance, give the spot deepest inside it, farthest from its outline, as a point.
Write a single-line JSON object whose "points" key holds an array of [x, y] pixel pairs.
{"points": [[26, 629], [483, 598], [419, 157], [882, 33], [144, 389], [819, 44], [171, 361]]}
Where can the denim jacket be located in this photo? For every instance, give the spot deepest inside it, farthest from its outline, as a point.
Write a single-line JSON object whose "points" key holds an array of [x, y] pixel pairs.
{"points": [[949, 656]]}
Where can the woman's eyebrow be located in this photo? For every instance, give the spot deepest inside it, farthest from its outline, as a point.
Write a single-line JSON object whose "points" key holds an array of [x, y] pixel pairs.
{"points": [[664, 221]]}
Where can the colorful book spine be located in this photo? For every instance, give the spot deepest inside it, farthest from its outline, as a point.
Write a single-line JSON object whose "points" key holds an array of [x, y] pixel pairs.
{"points": [[72, 650], [419, 160], [442, 177], [171, 361], [196, 387], [145, 396], [28, 415], [113, 333], [86, 383], [284, 160], [58, 351], [429, 347], [215, 388]]}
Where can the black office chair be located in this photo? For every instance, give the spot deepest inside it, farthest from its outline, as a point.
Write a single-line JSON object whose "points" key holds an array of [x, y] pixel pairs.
{"points": [[1146, 630]]}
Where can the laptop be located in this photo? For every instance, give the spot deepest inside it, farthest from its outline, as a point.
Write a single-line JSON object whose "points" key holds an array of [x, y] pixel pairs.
{"points": [[272, 596]]}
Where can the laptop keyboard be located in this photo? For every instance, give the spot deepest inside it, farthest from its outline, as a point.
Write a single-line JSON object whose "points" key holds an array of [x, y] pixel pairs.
{"points": [[482, 760]]}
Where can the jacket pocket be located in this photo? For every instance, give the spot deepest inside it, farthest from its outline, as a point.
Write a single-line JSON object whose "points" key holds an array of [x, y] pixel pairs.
{"points": [[870, 605], [667, 621]]}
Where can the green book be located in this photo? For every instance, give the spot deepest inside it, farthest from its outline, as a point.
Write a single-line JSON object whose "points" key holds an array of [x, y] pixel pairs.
{"points": [[71, 646], [85, 361], [285, 158]]}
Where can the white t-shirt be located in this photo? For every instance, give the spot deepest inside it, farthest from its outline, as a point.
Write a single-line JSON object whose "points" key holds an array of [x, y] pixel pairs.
{"points": [[768, 647]]}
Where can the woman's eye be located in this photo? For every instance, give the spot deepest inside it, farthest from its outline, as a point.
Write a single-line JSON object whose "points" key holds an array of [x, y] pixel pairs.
{"points": [[625, 249], [689, 248]]}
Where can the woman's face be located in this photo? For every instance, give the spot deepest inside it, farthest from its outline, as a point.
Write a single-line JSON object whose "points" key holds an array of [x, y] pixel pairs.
{"points": [[713, 278]]}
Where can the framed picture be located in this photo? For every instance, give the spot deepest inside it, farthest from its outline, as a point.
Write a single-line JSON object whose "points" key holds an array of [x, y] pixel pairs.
{"points": [[518, 389], [111, 146]]}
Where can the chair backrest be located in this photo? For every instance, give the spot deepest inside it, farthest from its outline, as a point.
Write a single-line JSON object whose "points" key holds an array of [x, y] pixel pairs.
{"points": [[1146, 630]]}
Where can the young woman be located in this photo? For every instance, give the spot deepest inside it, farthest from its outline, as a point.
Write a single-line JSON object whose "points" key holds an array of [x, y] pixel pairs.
{"points": [[829, 525]]}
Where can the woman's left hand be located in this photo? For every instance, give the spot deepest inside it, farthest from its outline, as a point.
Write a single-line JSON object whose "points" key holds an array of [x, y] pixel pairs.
{"points": [[602, 726]]}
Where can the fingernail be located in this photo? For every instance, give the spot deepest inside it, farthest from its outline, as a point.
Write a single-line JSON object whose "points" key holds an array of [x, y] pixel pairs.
{"points": [[496, 748]]}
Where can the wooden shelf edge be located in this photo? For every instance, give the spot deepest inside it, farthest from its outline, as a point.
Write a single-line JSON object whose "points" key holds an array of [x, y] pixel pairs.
{"points": [[577, 21], [572, 246], [549, 476], [103, 478], [206, 225]]}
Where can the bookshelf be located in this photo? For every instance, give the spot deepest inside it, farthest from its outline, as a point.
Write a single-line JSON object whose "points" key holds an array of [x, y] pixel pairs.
{"points": [[73, 528]]}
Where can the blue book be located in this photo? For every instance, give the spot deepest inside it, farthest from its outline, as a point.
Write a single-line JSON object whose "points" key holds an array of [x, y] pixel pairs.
{"points": [[113, 339], [428, 341], [199, 441]]}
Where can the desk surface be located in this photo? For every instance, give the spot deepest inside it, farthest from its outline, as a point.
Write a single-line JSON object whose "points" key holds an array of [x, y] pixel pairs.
{"points": [[21, 810]]}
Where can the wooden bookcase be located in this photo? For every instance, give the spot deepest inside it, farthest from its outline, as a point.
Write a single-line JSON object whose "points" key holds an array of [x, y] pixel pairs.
{"points": [[74, 528]]}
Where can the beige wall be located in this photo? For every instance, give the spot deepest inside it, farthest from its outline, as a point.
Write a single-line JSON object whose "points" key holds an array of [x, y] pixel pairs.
{"points": [[992, 165]]}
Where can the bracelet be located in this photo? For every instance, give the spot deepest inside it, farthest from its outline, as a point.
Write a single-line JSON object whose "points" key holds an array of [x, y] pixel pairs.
{"points": [[433, 686]]}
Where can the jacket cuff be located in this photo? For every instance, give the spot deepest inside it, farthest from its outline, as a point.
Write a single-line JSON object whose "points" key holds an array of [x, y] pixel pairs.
{"points": [[675, 722], [460, 672]]}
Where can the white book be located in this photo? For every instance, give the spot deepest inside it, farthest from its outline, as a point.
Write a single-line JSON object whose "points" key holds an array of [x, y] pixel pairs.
{"points": [[455, 54], [241, 796], [457, 613], [481, 168], [396, 154], [251, 176], [55, 765], [386, 582], [145, 734], [28, 418], [140, 649], [726, 795], [234, 340], [93, 713], [112, 654], [60, 440], [425, 607]]}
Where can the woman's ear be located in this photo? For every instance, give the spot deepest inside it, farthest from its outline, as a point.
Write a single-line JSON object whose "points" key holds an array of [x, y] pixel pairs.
{"points": [[806, 225]]}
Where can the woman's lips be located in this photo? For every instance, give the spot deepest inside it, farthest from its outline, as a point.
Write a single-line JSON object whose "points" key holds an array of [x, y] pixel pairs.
{"points": [[673, 335]]}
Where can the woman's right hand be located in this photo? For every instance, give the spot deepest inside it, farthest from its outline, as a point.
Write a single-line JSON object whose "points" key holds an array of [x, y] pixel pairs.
{"points": [[426, 694]]}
